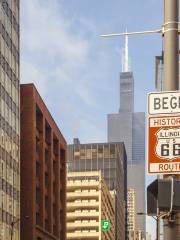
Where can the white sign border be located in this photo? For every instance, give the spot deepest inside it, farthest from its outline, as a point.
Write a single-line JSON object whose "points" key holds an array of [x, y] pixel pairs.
{"points": [[147, 143]]}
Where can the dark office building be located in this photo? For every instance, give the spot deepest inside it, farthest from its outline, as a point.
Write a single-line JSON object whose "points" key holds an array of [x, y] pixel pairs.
{"points": [[43, 171], [110, 158]]}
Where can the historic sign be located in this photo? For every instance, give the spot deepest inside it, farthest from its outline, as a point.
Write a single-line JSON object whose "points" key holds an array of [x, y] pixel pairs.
{"points": [[164, 144], [164, 132]]}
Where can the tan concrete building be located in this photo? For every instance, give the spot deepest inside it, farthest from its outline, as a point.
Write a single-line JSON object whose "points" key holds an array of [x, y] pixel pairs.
{"points": [[148, 236], [139, 235], [133, 233], [131, 213], [110, 159], [9, 120], [88, 202]]}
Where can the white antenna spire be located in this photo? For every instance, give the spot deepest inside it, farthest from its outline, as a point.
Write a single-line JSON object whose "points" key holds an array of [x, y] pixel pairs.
{"points": [[125, 56]]}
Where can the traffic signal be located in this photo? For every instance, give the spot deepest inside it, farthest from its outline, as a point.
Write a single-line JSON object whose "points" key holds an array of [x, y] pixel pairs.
{"points": [[163, 194]]}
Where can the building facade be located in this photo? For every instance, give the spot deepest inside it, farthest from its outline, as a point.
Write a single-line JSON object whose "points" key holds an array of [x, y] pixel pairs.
{"points": [[148, 236], [9, 120], [131, 213], [110, 158], [159, 69], [88, 203], [129, 127], [43, 171]]}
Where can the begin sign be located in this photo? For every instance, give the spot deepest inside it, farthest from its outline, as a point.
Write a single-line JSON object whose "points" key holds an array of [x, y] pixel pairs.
{"points": [[164, 103], [164, 133]]}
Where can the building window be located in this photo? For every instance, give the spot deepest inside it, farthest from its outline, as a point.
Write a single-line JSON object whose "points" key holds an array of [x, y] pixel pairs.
{"points": [[100, 152], [88, 153], [37, 218], [106, 152], [46, 180]]}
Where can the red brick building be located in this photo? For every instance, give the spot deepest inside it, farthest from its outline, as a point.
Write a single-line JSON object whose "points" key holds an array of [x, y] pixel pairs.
{"points": [[43, 171]]}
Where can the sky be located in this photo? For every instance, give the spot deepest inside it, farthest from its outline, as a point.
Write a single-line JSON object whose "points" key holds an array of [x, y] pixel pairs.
{"points": [[76, 71]]}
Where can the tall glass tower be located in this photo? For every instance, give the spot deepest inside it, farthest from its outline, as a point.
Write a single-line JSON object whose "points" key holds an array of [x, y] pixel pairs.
{"points": [[9, 120], [129, 127]]}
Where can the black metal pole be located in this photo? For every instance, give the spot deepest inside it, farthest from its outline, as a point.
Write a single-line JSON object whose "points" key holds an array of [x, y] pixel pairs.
{"points": [[158, 228]]}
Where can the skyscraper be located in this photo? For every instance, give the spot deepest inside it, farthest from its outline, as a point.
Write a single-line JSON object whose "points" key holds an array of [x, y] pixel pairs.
{"points": [[110, 158], [129, 127], [9, 120]]}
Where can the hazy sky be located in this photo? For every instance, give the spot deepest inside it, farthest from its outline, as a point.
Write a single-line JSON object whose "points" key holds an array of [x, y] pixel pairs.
{"points": [[77, 72]]}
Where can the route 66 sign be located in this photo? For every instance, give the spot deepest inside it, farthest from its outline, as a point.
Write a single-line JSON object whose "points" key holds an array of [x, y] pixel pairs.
{"points": [[164, 145], [168, 143]]}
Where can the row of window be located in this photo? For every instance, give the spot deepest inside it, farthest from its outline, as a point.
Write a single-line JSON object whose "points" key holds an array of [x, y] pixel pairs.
{"points": [[10, 161], [10, 15], [108, 211], [7, 69], [8, 204], [9, 42], [108, 203], [94, 164], [88, 153], [15, 4], [9, 28], [11, 59], [9, 87], [11, 177], [7, 218], [9, 130], [9, 189], [9, 116], [7, 98]]}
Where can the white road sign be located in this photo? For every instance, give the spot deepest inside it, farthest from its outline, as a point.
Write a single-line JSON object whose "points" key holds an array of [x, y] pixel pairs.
{"points": [[164, 103]]}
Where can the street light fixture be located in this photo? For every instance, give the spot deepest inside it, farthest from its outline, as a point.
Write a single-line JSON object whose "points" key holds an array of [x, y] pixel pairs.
{"points": [[157, 219], [13, 223], [12, 227]]}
